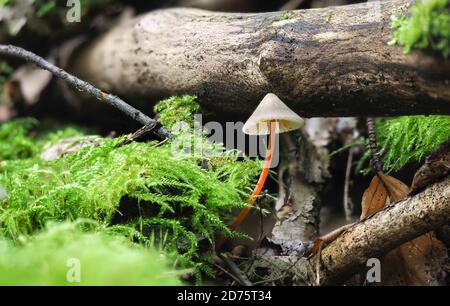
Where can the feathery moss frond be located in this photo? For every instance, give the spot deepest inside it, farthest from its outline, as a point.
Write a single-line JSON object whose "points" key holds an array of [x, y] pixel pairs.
{"points": [[427, 27], [410, 138], [48, 257], [137, 189]]}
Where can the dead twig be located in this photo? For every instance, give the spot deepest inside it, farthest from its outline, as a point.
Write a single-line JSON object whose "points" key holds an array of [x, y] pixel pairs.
{"points": [[138, 134], [88, 88], [228, 273], [348, 205], [376, 164], [243, 279]]}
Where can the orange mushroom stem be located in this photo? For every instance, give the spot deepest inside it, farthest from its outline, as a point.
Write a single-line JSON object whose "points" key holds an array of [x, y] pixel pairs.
{"points": [[262, 178]]}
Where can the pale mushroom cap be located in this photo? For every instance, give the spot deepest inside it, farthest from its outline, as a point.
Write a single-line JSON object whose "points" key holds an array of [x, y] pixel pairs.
{"points": [[272, 108]]}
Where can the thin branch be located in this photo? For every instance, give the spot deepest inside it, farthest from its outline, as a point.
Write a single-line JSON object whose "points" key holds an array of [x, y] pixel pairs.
{"points": [[384, 231], [348, 205], [238, 272], [229, 274], [376, 164], [88, 88]]}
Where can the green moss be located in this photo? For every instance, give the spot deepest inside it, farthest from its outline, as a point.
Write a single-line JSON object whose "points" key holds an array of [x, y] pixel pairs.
{"points": [[176, 109], [50, 256], [147, 191], [181, 196], [402, 140], [427, 27], [285, 15], [15, 141], [410, 138]]}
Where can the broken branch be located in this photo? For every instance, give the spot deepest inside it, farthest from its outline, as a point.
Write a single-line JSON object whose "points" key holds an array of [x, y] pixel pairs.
{"points": [[384, 231], [88, 88]]}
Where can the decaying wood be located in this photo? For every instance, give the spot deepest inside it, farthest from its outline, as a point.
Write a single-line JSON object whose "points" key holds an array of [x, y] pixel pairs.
{"points": [[302, 175], [322, 62], [391, 227], [436, 166], [371, 238]]}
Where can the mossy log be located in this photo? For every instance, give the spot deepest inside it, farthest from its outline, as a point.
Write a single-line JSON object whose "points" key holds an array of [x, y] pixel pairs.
{"points": [[331, 61]]}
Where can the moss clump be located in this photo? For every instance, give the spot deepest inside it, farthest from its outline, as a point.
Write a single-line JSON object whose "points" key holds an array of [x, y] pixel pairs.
{"points": [[285, 15], [177, 109], [15, 141], [153, 193], [402, 140], [48, 257], [427, 27], [169, 192]]}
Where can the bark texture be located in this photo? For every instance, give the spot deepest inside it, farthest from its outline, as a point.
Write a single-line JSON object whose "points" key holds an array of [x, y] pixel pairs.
{"points": [[372, 238], [391, 227], [322, 62], [301, 175]]}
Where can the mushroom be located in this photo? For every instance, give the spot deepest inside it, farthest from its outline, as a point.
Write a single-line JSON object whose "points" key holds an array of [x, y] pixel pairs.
{"points": [[271, 117]]}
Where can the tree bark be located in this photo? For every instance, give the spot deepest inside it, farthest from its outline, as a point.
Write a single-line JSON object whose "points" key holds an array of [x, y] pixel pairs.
{"points": [[371, 238], [322, 62], [386, 230]]}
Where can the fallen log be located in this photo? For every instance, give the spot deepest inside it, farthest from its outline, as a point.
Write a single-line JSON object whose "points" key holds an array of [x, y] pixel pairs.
{"points": [[331, 61]]}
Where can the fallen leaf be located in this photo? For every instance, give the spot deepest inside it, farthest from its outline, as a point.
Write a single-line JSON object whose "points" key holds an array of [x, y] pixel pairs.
{"points": [[416, 262], [67, 146], [397, 190], [374, 198]]}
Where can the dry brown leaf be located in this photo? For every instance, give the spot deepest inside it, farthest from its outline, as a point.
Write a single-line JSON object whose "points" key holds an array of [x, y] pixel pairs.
{"points": [[67, 146], [397, 190], [416, 262], [373, 199]]}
